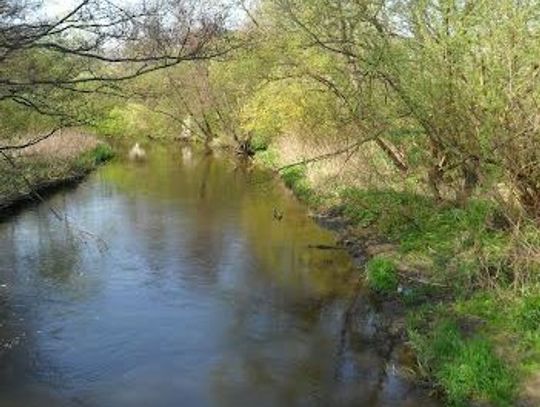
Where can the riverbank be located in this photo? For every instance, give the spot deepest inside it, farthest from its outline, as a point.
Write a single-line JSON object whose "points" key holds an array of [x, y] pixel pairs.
{"points": [[63, 158], [462, 283]]}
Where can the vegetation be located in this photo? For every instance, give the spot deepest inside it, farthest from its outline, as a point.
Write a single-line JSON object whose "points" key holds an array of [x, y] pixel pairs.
{"points": [[381, 275], [417, 121], [466, 367], [66, 156]]}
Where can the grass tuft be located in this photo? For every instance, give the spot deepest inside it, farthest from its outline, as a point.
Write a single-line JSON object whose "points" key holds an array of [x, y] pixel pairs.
{"points": [[382, 275]]}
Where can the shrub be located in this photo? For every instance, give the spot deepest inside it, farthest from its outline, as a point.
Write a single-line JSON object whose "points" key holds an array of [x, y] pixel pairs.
{"points": [[293, 176], [102, 153]]}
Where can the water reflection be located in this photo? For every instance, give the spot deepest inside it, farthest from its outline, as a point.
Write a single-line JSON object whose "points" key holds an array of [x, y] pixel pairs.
{"points": [[202, 298]]}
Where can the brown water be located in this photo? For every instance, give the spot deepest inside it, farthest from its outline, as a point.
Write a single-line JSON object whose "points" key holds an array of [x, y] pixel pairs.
{"points": [[200, 297]]}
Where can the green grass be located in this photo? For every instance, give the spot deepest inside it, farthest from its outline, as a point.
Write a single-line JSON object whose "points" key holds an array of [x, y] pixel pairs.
{"points": [[528, 316], [295, 179], [267, 158], [464, 367], [382, 275], [458, 243], [514, 314], [102, 153]]}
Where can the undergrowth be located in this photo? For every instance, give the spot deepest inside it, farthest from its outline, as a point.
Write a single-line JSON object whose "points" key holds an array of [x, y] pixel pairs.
{"points": [[39, 171], [465, 367]]}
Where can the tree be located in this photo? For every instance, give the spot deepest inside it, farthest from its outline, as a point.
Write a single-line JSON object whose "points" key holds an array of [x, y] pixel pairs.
{"points": [[46, 63]]}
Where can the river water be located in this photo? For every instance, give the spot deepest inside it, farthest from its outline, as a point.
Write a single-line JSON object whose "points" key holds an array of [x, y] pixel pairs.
{"points": [[170, 283]]}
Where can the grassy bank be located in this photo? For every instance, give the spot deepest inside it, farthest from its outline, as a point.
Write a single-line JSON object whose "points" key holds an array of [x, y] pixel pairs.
{"points": [[64, 157], [466, 279]]}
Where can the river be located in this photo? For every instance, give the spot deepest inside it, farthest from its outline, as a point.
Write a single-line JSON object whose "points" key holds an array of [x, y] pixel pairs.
{"points": [[171, 283]]}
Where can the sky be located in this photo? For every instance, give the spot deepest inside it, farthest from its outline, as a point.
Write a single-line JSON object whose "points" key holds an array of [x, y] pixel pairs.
{"points": [[58, 8]]}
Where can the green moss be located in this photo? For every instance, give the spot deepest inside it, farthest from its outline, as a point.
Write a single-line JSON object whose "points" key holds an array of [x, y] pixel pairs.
{"points": [[382, 275]]}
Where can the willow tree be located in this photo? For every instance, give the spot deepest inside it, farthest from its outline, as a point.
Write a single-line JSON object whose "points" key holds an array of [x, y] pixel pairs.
{"points": [[452, 83]]}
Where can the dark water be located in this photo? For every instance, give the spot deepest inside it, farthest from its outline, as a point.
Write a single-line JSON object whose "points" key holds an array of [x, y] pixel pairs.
{"points": [[172, 285]]}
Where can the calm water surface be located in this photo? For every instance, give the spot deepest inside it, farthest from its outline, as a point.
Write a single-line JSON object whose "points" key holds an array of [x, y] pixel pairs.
{"points": [[172, 285]]}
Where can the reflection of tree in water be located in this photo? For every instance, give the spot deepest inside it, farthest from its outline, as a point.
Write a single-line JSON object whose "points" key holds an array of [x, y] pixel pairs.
{"points": [[8, 275], [57, 252], [280, 355], [215, 227], [311, 351], [45, 250], [37, 252], [283, 247]]}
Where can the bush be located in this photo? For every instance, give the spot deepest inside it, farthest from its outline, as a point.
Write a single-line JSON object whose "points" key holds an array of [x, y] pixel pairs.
{"points": [[260, 143], [293, 176], [102, 153], [382, 275]]}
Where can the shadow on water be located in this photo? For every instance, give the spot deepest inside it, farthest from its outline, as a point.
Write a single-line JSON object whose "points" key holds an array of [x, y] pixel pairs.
{"points": [[201, 298]]}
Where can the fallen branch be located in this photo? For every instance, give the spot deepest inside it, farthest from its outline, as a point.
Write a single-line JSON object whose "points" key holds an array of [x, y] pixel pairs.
{"points": [[324, 247]]}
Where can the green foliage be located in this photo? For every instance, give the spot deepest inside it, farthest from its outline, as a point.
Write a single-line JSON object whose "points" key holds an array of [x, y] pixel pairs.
{"points": [[460, 242], [260, 143], [295, 178], [18, 121], [90, 159], [113, 124], [466, 368], [267, 158], [529, 313], [102, 153], [382, 275]]}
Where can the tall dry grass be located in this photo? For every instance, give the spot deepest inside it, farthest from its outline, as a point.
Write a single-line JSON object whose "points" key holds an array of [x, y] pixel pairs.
{"points": [[64, 144], [48, 162], [363, 167]]}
